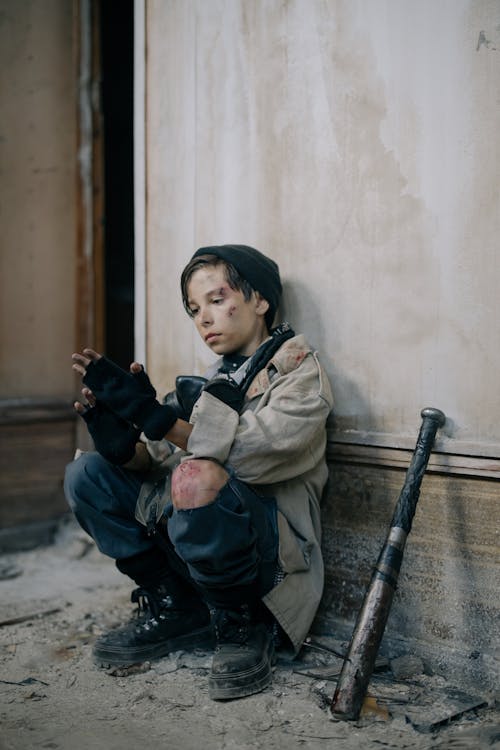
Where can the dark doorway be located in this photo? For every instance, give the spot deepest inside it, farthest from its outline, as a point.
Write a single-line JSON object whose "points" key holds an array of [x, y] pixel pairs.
{"points": [[117, 75]]}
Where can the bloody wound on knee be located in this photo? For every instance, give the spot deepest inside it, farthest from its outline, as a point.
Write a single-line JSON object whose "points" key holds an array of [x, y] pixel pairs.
{"points": [[196, 483]]}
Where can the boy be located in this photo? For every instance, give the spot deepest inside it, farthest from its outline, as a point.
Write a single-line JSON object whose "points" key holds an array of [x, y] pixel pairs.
{"points": [[210, 501]]}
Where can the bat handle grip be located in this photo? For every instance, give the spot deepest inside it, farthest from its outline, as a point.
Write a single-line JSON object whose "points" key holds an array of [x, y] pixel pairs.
{"points": [[432, 419]]}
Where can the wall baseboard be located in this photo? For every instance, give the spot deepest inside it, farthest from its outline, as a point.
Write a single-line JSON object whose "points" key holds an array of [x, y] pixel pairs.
{"points": [[358, 450]]}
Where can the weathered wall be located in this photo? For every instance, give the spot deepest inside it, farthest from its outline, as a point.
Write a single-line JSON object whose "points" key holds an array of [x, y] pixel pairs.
{"points": [[446, 608], [37, 196], [358, 143], [37, 263]]}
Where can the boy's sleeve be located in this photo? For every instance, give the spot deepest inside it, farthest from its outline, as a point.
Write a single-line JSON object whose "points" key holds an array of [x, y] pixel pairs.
{"points": [[283, 438], [215, 424]]}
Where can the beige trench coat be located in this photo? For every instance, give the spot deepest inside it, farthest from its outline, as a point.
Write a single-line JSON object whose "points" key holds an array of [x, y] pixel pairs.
{"points": [[277, 444]]}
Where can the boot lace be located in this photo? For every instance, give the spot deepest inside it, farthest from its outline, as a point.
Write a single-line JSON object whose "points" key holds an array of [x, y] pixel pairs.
{"points": [[232, 626], [152, 606]]}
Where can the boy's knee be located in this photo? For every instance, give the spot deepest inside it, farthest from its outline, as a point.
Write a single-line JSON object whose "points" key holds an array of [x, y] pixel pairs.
{"points": [[196, 483]]}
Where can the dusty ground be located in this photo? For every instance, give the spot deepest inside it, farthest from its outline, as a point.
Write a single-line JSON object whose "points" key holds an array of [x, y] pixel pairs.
{"points": [[52, 695]]}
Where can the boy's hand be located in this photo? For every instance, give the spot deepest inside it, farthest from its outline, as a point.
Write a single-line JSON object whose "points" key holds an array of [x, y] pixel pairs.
{"points": [[226, 391], [113, 438], [82, 361], [129, 394]]}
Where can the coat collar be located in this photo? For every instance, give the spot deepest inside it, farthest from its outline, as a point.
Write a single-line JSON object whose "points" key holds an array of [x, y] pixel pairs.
{"points": [[287, 358]]}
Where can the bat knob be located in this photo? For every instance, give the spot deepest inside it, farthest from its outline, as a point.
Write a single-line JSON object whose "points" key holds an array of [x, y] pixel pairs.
{"points": [[435, 414]]}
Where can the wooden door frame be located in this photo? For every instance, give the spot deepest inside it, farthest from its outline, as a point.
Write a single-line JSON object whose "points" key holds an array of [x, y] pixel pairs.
{"points": [[90, 269], [90, 281], [140, 179]]}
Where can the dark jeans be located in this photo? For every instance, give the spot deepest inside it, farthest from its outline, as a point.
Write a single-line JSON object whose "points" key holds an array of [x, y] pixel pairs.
{"points": [[228, 544]]}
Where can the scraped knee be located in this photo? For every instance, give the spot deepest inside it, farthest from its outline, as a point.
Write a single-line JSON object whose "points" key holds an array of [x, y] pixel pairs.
{"points": [[196, 483]]}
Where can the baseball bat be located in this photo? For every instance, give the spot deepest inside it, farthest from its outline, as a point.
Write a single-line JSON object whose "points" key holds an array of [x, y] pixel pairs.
{"points": [[369, 629]]}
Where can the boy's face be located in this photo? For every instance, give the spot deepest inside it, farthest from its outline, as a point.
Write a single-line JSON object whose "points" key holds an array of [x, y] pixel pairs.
{"points": [[227, 322]]}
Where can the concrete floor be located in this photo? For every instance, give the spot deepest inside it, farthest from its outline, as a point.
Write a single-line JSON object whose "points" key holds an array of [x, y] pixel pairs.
{"points": [[55, 600]]}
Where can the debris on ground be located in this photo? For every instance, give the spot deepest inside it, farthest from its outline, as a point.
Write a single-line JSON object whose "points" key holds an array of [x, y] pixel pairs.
{"points": [[52, 695], [406, 666]]}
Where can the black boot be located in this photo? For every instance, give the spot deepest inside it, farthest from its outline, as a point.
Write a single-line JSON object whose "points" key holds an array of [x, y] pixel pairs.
{"points": [[164, 624], [170, 615], [243, 656]]}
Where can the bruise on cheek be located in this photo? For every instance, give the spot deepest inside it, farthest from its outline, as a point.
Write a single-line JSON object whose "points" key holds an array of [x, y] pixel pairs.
{"points": [[224, 292]]}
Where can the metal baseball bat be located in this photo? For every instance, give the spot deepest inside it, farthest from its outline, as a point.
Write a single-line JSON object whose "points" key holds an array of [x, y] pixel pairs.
{"points": [[369, 629]]}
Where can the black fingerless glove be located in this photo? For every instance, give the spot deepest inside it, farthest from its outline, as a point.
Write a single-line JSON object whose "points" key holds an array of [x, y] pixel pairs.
{"points": [[131, 396], [113, 438], [226, 391]]}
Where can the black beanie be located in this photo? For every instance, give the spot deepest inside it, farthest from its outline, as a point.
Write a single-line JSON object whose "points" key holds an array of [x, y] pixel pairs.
{"points": [[261, 272]]}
